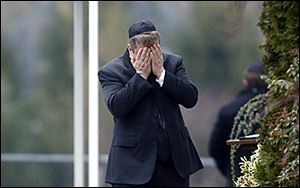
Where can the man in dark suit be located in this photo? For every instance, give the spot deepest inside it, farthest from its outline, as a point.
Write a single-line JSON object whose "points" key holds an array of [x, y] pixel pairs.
{"points": [[143, 89], [252, 86]]}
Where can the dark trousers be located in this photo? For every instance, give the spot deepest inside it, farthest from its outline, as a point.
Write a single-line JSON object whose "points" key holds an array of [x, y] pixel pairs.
{"points": [[165, 175]]}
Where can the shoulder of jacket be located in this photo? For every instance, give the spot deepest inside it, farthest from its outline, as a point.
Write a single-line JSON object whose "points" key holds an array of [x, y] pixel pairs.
{"points": [[173, 60], [232, 108], [113, 65], [169, 55]]}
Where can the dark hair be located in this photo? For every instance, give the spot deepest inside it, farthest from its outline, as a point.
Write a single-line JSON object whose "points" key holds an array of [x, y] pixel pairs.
{"points": [[254, 79], [253, 75]]}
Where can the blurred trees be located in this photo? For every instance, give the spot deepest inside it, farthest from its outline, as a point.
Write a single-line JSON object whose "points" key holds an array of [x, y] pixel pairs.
{"points": [[113, 41], [36, 90], [219, 38], [218, 42], [35, 113], [276, 161]]}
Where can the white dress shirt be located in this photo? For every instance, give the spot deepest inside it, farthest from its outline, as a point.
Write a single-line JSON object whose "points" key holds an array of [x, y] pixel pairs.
{"points": [[160, 80]]}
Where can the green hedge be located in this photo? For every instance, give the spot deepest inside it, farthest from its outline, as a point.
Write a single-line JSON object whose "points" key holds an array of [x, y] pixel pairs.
{"points": [[276, 163]]}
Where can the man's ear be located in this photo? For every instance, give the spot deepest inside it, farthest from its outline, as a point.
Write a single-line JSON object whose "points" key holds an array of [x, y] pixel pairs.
{"points": [[129, 48], [130, 51]]}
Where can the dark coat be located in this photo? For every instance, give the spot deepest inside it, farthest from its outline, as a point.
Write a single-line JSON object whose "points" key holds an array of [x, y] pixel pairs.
{"points": [[136, 105], [222, 130]]}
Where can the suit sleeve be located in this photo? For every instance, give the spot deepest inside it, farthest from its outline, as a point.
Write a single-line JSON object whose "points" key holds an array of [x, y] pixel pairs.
{"points": [[120, 98], [180, 87]]}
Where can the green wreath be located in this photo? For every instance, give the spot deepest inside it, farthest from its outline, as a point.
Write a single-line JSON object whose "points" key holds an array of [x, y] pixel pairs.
{"points": [[247, 121]]}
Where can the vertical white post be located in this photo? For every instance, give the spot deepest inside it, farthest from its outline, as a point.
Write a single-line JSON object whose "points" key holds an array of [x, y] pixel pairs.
{"points": [[93, 96], [78, 95]]}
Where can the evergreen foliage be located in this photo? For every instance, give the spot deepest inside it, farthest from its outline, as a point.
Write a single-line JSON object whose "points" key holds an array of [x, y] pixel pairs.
{"points": [[277, 161]]}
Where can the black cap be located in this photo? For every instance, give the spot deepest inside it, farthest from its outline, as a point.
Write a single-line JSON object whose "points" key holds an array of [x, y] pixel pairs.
{"points": [[141, 27], [256, 68]]}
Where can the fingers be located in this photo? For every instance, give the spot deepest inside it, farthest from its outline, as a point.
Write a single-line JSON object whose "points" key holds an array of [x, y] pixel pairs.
{"points": [[152, 56], [157, 49], [139, 53], [147, 58], [145, 55], [152, 52], [144, 66], [142, 56], [144, 60], [156, 54]]}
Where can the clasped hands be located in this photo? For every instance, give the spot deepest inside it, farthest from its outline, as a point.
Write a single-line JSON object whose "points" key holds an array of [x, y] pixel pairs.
{"points": [[148, 60]]}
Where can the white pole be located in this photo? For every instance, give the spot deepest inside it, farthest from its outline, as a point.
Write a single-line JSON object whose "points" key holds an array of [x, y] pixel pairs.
{"points": [[93, 96], [78, 96]]}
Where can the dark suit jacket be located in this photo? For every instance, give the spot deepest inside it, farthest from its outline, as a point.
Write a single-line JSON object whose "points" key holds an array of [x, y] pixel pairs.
{"points": [[136, 105]]}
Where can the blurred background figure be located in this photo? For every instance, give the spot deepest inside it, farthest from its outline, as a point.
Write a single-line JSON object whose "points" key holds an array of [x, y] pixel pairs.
{"points": [[252, 86]]}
